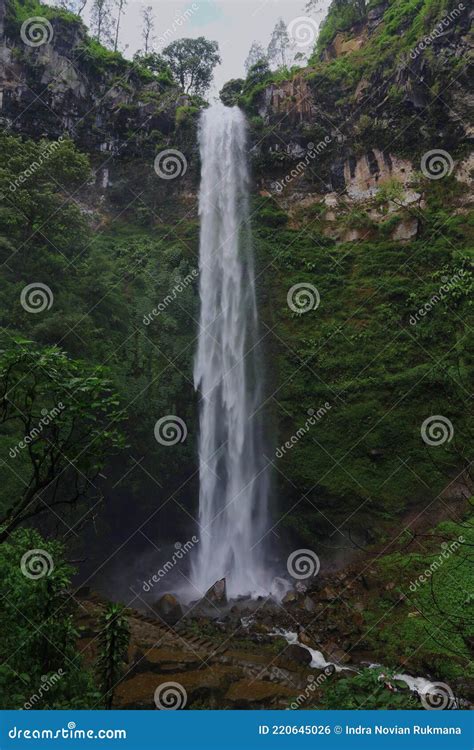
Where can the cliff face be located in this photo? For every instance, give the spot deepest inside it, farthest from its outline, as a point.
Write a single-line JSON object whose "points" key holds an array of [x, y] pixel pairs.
{"points": [[71, 87], [368, 101]]}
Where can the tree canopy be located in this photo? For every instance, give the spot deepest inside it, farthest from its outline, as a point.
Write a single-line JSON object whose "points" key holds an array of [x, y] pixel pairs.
{"points": [[192, 62]]}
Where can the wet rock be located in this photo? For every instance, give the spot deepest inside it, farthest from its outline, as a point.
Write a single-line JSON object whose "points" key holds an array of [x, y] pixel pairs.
{"points": [[217, 593], [463, 687], [328, 594], [166, 659], [139, 691], [247, 692], [334, 653], [305, 639], [297, 654], [309, 605], [168, 609]]}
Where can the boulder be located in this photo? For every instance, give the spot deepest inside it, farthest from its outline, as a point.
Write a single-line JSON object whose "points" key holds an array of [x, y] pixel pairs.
{"points": [[217, 594], [168, 609], [309, 605], [290, 597], [298, 654]]}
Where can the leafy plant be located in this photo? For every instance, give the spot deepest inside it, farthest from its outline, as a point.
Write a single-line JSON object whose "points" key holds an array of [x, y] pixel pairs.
{"points": [[113, 644]]}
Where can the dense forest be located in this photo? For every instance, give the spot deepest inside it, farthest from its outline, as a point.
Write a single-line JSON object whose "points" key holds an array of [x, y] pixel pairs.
{"points": [[362, 227]]}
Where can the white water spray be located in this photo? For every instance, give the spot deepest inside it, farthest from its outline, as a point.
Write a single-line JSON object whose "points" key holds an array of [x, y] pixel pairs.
{"points": [[234, 487]]}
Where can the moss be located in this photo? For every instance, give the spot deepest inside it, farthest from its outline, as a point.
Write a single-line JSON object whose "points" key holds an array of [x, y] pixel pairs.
{"points": [[186, 115]]}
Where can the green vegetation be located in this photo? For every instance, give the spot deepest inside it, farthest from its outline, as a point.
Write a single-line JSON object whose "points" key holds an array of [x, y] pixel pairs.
{"points": [[40, 667], [114, 638], [365, 458], [435, 621], [368, 691]]}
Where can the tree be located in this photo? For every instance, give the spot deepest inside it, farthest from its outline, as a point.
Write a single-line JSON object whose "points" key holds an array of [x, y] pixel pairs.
{"points": [[230, 92], [279, 45], [113, 645], [47, 672], [153, 61], [148, 29], [255, 55], [73, 6], [101, 20], [192, 62], [60, 418], [120, 5], [258, 73]]}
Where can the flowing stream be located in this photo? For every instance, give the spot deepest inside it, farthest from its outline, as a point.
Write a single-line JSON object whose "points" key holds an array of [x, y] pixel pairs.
{"points": [[234, 484]]}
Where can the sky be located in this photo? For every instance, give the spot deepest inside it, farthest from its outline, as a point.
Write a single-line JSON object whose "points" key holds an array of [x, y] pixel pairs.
{"points": [[234, 24]]}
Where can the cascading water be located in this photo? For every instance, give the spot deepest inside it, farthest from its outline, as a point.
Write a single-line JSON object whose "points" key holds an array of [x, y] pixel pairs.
{"points": [[234, 487]]}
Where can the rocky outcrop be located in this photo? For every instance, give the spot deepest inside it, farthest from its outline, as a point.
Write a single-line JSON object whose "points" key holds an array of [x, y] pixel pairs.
{"points": [[63, 87]]}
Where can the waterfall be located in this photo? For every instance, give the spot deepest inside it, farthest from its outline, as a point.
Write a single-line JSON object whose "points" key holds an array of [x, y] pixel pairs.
{"points": [[233, 498]]}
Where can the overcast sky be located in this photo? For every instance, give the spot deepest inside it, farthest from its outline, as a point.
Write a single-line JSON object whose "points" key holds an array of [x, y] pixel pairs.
{"points": [[234, 24]]}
